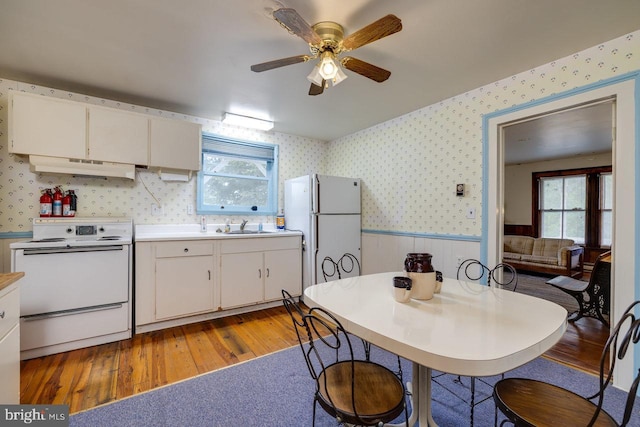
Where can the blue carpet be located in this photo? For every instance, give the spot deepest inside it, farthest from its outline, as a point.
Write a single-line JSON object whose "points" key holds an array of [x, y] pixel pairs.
{"points": [[276, 390]]}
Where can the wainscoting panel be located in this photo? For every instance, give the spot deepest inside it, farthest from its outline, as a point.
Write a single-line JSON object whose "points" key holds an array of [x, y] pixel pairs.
{"points": [[386, 252]]}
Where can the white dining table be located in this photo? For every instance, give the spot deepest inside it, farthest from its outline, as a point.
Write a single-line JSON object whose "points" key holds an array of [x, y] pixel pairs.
{"points": [[467, 329]]}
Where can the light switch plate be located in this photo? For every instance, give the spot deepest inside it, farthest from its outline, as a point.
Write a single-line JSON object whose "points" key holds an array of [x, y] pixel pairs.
{"points": [[157, 210], [471, 213]]}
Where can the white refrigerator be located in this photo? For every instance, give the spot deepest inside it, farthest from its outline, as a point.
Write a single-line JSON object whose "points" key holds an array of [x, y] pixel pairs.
{"points": [[327, 211]]}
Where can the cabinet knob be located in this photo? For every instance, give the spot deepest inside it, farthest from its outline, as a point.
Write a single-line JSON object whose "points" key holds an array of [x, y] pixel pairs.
{"points": [[186, 249], [2, 314]]}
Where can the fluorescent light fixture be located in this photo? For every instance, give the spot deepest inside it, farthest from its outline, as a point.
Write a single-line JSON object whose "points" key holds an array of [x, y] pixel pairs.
{"points": [[246, 121]]}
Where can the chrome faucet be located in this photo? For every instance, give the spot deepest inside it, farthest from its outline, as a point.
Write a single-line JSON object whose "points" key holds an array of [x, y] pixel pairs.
{"points": [[244, 223]]}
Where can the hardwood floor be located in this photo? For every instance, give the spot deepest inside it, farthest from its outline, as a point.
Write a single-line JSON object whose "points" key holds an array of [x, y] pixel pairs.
{"points": [[93, 376], [88, 377]]}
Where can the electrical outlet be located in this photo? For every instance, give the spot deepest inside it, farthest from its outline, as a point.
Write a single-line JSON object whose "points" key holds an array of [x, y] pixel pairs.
{"points": [[189, 209], [156, 210]]}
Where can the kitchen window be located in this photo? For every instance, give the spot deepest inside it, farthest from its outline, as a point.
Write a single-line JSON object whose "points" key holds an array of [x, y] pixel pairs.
{"points": [[237, 177]]}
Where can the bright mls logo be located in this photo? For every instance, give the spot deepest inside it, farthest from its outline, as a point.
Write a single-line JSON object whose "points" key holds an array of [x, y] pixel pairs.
{"points": [[35, 415]]}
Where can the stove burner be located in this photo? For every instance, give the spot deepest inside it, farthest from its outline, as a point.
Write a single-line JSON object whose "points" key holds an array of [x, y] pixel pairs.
{"points": [[50, 239]]}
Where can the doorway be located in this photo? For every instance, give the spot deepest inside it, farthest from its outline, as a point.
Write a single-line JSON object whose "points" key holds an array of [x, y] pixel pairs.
{"points": [[555, 168], [625, 162]]}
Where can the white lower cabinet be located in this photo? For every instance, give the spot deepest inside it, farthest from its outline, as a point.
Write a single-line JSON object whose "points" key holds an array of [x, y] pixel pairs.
{"points": [[10, 345], [253, 271], [183, 281]]}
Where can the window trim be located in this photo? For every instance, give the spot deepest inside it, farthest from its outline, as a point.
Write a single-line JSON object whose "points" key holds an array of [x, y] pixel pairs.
{"points": [[237, 145], [592, 218]]}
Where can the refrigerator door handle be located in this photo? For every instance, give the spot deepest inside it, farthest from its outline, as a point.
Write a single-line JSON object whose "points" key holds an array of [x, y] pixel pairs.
{"points": [[315, 194]]}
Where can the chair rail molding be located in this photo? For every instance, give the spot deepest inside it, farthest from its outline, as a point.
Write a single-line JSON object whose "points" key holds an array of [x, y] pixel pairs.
{"points": [[625, 273]]}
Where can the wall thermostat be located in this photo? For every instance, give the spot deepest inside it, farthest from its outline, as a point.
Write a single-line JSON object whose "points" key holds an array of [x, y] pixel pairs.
{"points": [[460, 190]]}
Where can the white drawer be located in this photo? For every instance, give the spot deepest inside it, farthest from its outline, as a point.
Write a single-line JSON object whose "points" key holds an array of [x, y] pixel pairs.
{"points": [[9, 310], [261, 244], [183, 248]]}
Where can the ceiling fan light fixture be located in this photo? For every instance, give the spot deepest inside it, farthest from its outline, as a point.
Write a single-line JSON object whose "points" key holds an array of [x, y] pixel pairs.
{"points": [[328, 66], [315, 77], [246, 121], [340, 76]]}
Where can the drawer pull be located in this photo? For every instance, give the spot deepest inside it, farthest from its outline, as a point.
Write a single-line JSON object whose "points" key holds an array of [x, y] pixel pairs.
{"points": [[186, 249], [2, 314], [209, 271]]}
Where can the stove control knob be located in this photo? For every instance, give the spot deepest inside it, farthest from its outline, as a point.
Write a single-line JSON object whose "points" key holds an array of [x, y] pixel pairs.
{"points": [[101, 229], [69, 230]]}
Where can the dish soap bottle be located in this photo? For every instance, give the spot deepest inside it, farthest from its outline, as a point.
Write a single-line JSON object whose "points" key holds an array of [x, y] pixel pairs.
{"points": [[280, 221]]}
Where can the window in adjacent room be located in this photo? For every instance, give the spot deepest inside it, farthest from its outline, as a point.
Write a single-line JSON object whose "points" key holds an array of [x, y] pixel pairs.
{"points": [[562, 207], [606, 208], [237, 177], [575, 204]]}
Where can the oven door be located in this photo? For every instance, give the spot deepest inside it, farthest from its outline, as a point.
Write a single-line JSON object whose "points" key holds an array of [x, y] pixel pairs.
{"points": [[62, 279]]}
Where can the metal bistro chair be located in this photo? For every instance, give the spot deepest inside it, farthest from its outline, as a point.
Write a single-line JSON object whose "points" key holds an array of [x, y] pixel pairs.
{"points": [[503, 275], [527, 402], [346, 264], [354, 391], [596, 290]]}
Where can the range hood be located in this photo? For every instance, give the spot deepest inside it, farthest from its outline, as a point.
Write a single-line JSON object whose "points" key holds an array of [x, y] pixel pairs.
{"points": [[81, 167]]}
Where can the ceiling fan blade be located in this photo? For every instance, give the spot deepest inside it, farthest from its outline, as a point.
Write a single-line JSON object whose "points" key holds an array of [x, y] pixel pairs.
{"points": [[383, 27], [294, 23], [279, 63], [315, 89], [364, 68]]}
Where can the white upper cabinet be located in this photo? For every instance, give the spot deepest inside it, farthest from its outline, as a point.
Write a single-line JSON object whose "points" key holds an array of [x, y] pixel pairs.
{"points": [[175, 144], [118, 136], [44, 126], [47, 126]]}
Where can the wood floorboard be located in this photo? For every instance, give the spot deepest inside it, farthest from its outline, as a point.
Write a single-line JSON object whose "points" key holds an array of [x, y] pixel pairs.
{"points": [[88, 377]]}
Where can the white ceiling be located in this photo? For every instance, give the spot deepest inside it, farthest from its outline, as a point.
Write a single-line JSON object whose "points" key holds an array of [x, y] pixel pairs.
{"points": [[193, 56], [580, 131]]}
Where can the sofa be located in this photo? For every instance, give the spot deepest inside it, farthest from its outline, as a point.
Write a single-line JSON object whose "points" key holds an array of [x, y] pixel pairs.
{"points": [[544, 255]]}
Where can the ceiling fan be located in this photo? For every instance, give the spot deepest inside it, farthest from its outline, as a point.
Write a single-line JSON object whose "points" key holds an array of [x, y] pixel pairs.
{"points": [[327, 41]]}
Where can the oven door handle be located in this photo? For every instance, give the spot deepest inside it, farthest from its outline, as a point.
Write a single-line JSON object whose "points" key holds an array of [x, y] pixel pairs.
{"points": [[42, 316], [72, 249]]}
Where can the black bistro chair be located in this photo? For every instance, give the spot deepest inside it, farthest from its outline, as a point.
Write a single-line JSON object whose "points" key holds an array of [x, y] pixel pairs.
{"points": [[352, 390], [504, 276], [333, 270], [527, 402]]}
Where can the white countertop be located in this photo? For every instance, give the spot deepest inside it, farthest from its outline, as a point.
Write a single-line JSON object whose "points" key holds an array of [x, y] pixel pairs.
{"points": [[148, 233]]}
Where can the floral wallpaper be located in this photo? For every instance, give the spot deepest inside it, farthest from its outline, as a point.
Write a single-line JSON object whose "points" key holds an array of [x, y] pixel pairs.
{"points": [[20, 188], [410, 165]]}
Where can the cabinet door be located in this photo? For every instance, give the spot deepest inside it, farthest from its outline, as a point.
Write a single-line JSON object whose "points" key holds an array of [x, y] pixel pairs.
{"points": [[283, 271], [184, 286], [242, 278], [47, 126], [174, 144], [10, 367], [118, 136]]}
